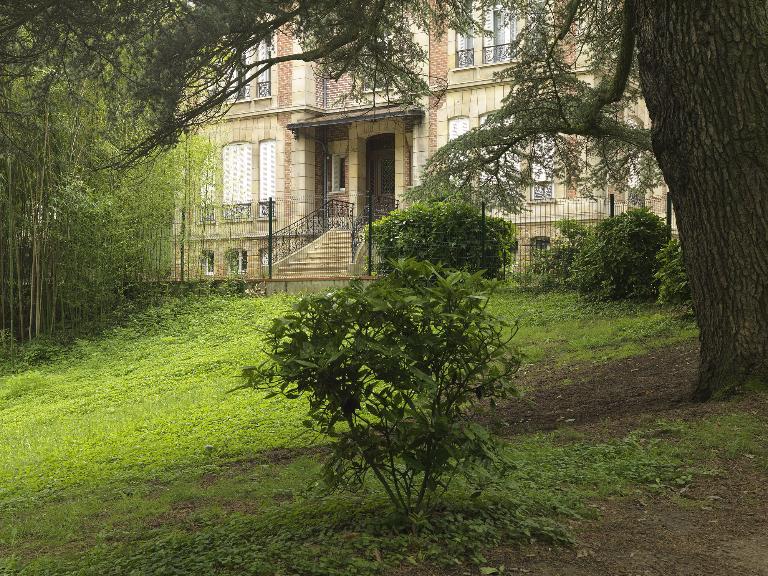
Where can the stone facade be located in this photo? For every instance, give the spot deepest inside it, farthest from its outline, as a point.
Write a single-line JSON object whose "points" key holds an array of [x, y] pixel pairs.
{"points": [[333, 140]]}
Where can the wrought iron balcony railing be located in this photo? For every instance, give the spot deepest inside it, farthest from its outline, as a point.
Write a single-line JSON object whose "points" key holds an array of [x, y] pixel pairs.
{"points": [[498, 53], [465, 58], [244, 93], [264, 210], [264, 89], [543, 192], [236, 212]]}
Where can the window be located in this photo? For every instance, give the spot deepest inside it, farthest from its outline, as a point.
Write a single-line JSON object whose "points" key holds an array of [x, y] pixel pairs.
{"points": [[207, 263], [500, 31], [457, 127], [267, 175], [237, 261], [465, 43], [465, 50], [339, 173], [540, 243], [207, 192], [244, 91], [543, 169], [264, 80], [238, 173]]}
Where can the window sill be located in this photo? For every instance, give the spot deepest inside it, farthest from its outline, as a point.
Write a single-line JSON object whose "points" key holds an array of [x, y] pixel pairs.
{"points": [[484, 65]]}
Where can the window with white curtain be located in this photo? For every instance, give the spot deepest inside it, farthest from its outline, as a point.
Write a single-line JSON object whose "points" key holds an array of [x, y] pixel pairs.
{"points": [[238, 173], [267, 171], [457, 127]]}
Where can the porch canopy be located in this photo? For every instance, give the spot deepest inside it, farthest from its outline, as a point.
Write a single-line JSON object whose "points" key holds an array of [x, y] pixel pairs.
{"points": [[350, 116]]}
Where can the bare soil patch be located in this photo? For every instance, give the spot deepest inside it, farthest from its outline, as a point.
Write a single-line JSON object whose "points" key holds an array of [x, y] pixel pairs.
{"points": [[718, 526], [616, 394]]}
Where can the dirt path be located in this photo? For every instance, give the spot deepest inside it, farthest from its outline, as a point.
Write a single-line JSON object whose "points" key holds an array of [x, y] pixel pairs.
{"points": [[721, 531], [716, 527]]}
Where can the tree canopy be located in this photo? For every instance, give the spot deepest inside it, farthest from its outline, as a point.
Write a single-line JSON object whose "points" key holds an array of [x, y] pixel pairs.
{"points": [[579, 70]]}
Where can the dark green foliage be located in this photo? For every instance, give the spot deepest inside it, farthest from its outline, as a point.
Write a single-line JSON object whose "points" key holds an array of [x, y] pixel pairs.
{"points": [[390, 370], [619, 259], [673, 281], [449, 233], [554, 266]]}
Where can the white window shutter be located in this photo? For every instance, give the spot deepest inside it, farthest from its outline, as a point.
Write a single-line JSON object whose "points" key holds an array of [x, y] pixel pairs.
{"points": [[489, 32], [246, 182], [228, 160], [461, 42], [501, 30], [268, 170], [238, 173], [457, 127]]}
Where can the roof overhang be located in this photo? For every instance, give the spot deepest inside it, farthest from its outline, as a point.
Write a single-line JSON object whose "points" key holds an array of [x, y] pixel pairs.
{"points": [[348, 117]]}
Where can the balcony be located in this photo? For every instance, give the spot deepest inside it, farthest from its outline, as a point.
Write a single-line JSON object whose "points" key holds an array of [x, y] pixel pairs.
{"points": [[264, 89], [465, 58], [243, 94], [497, 53], [264, 210], [236, 212]]}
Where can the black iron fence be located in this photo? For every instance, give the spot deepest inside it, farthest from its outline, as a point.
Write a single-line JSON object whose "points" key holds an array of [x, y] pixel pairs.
{"points": [[289, 239]]}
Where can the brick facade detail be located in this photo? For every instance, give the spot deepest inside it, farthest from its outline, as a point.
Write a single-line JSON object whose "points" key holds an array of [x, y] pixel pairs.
{"points": [[438, 80]]}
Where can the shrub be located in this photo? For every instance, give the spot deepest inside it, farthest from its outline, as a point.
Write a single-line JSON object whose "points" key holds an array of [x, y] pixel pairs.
{"points": [[554, 265], [448, 233], [673, 281], [619, 259], [390, 370]]}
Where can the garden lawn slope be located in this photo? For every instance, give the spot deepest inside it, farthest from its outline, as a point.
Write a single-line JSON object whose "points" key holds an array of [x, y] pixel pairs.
{"points": [[106, 441]]}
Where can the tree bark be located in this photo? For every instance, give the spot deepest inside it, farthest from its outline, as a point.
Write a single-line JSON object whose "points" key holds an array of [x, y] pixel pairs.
{"points": [[704, 75]]}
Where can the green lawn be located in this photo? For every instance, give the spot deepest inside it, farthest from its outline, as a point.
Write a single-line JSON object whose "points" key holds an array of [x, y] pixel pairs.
{"points": [[126, 454]]}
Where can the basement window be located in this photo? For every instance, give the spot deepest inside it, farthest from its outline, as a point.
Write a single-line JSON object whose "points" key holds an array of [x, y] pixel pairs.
{"points": [[238, 261], [208, 263]]}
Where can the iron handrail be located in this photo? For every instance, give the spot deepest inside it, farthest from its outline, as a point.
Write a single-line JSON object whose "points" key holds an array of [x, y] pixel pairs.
{"points": [[332, 215]]}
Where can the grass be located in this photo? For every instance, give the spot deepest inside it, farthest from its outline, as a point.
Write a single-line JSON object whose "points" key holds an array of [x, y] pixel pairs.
{"points": [[125, 454]]}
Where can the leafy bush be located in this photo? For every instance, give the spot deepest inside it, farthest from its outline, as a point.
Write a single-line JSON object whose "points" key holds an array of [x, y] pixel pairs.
{"points": [[673, 281], [619, 259], [390, 370], [448, 233], [554, 265]]}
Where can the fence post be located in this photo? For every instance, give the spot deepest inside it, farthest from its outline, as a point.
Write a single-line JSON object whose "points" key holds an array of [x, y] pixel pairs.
{"points": [[269, 242], [611, 205], [482, 236], [182, 245], [370, 232], [669, 211]]}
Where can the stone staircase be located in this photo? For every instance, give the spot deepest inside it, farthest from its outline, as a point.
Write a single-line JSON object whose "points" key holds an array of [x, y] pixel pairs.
{"points": [[330, 255]]}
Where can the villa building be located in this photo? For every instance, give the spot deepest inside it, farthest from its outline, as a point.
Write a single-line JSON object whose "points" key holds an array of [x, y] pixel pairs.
{"points": [[293, 137]]}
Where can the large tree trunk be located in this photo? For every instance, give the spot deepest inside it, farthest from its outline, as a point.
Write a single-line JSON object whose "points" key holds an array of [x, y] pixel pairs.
{"points": [[704, 76]]}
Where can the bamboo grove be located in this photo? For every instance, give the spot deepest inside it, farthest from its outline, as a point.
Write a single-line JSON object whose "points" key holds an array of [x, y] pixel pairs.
{"points": [[77, 230]]}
